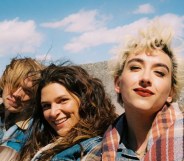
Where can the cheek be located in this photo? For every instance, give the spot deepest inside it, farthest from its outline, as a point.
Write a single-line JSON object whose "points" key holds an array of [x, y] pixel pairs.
{"points": [[75, 113], [163, 86], [5, 92], [75, 120], [128, 80], [26, 97], [77, 116], [4, 96], [46, 114]]}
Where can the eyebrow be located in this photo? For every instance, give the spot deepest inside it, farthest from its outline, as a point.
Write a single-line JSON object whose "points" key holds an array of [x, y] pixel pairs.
{"points": [[142, 61], [136, 60], [56, 99]]}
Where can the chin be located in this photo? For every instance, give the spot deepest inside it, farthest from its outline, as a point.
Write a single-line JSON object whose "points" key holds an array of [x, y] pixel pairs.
{"points": [[13, 110], [63, 133]]}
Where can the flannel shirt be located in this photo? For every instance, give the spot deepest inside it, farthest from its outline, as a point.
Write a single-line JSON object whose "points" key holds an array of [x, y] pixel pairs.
{"points": [[165, 142]]}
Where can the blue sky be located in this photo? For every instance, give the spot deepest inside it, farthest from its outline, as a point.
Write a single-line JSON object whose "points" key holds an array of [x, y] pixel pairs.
{"points": [[84, 31]]}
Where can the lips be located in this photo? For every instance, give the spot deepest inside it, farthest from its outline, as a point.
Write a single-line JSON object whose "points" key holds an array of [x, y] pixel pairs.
{"points": [[143, 92], [12, 102], [60, 121]]}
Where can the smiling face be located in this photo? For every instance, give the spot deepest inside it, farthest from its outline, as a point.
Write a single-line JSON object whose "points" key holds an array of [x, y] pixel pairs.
{"points": [[145, 82], [60, 108]]}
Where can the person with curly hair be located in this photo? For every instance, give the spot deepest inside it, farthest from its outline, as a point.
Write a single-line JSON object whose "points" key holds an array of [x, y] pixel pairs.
{"points": [[72, 113]]}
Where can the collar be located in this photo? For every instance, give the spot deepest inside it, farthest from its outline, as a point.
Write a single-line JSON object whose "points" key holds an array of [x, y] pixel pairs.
{"points": [[23, 124]]}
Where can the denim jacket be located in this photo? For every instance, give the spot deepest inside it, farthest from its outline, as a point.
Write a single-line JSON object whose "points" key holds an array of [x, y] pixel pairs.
{"points": [[15, 136], [74, 153]]}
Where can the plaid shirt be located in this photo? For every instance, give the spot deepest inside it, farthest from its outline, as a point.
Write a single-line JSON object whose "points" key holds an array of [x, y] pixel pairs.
{"points": [[165, 142]]}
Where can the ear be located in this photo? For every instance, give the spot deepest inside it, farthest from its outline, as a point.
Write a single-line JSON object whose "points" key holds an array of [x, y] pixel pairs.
{"points": [[117, 84], [171, 95], [169, 99]]}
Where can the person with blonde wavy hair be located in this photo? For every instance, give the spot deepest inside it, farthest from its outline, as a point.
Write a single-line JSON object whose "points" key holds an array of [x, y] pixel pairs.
{"points": [[148, 79], [18, 95]]}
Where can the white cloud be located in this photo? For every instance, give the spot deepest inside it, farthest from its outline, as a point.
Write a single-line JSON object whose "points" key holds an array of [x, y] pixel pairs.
{"points": [[116, 36], [18, 36], [175, 21], [44, 57], [144, 9], [79, 22], [102, 36]]}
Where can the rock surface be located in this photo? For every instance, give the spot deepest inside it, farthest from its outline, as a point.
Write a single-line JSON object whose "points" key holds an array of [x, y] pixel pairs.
{"points": [[100, 70]]}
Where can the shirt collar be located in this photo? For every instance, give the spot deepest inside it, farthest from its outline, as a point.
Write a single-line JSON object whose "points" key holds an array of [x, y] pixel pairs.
{"points": [[23, 124]]}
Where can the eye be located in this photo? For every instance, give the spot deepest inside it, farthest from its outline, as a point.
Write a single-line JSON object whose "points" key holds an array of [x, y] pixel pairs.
{"points": [[27, 91], [134, 68], [62, 100], [160, 74], [45, 106]]}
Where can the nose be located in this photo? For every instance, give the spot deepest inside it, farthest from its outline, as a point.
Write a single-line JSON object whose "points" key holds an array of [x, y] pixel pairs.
{"points": [[145, 80], [18, 93], [54, 112]]}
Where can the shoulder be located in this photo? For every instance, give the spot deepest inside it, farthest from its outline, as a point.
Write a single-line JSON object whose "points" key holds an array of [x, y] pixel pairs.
{"points": [[78, 150], [88, 144], [14, 138]]}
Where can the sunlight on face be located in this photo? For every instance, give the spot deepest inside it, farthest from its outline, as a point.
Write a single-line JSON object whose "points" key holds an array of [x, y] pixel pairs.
{"points": [[145, 82], [60, 108]]}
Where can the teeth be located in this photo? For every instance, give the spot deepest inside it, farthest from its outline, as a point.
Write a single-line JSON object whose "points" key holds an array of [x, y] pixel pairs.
{"points": [[60, 121]]}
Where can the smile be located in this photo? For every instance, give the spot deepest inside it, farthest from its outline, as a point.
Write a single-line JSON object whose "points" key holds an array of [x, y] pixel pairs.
{"points": [[60, 121]]}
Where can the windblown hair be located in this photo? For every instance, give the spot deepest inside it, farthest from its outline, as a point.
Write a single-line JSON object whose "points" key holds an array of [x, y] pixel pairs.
{"points": [[155, 36], [18, 70], [14, 77], [96, 111]]}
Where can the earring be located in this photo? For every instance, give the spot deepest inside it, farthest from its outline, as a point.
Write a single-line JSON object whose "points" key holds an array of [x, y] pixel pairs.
{"points": [[169, 99]]}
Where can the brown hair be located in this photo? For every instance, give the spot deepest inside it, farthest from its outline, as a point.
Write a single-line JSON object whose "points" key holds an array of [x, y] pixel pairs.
{"points": [[96, 110]]}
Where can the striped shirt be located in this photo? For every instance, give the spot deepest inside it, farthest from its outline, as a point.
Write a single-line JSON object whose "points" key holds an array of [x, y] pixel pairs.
{"points": [[165, 141]]}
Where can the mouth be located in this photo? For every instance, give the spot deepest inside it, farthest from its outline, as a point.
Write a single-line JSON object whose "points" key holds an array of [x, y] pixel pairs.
{"points": [[143, 92], [12, 103], [60, 121]]}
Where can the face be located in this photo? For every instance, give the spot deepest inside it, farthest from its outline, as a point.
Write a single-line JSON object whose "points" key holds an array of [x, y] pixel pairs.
{"points": [[14, 99], [145, 82], [60, 108]]}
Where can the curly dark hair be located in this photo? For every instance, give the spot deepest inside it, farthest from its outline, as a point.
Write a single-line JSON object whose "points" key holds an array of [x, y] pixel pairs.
{"points": [[96, 110]]}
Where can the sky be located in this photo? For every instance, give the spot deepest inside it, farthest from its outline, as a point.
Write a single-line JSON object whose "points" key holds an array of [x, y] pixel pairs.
{"points": [[83, 31]]}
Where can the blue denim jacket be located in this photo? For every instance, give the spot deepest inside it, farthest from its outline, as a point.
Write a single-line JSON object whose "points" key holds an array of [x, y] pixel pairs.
{"points": [[74, 153], [14, 137]]}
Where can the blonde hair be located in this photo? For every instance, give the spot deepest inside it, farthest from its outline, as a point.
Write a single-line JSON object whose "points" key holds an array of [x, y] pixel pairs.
{"points": [[155, 36], [17, 71]]}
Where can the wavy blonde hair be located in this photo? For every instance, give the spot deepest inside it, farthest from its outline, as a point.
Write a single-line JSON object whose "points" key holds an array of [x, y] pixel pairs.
{"points": [[17, 71], [155, 36]]}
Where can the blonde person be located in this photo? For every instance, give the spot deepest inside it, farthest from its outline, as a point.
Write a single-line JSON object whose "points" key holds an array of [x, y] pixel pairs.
{"points": [[73, 112], [148, 84], [18, 95]]}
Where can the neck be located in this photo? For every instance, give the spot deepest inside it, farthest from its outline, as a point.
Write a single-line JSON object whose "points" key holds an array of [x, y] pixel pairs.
{"points": [[139, 126], [13, 118]]}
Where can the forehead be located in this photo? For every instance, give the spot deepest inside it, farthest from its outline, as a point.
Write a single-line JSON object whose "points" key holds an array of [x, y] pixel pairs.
{"points": [[27, 82], [154, 57], [24, 82], [55, 90]]}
